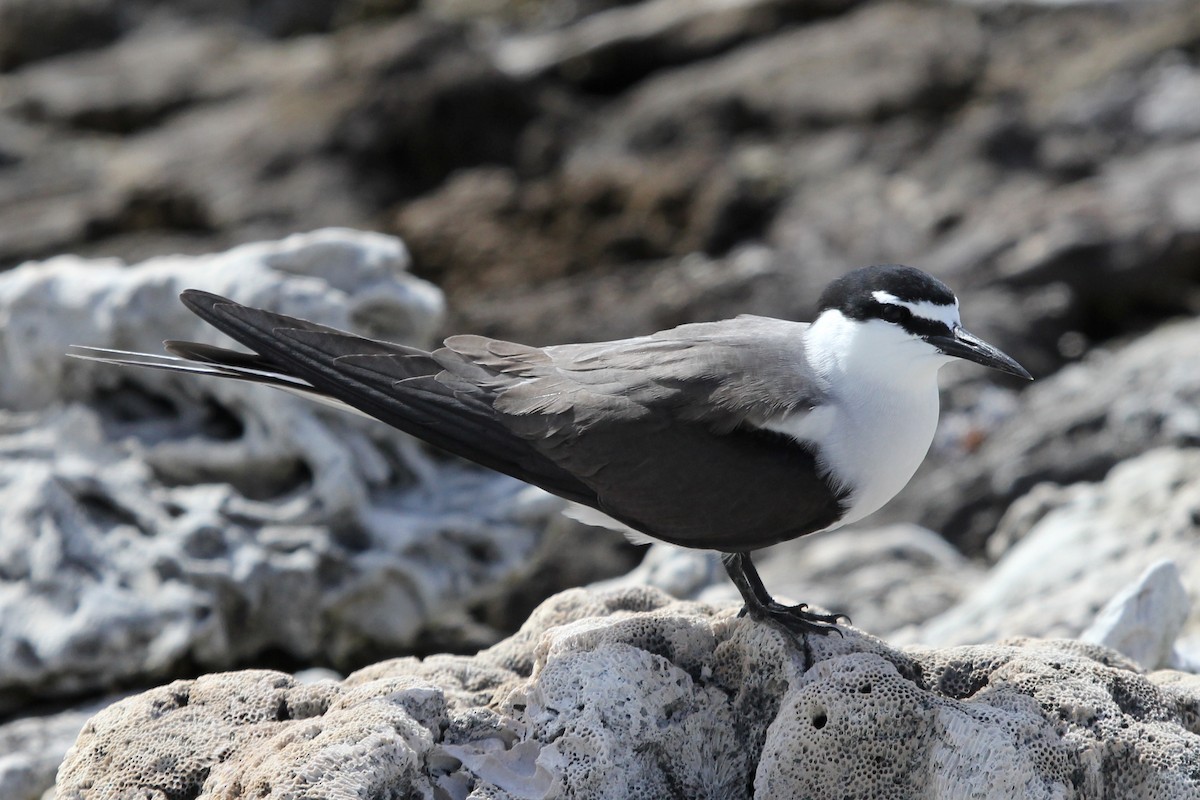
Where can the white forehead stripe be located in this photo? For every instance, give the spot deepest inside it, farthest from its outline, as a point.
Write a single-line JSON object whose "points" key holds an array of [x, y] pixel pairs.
{"points": [[935, 312]]}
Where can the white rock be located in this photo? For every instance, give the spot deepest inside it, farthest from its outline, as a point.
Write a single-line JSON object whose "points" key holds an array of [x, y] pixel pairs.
{"points": [[1076, 545], [1142, 620], [31, 749], [627, 694], [155, 520]]}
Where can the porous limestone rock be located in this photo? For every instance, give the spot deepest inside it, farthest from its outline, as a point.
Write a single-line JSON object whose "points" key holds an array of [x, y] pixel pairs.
{"points": [[159, 522], [625, 693]]}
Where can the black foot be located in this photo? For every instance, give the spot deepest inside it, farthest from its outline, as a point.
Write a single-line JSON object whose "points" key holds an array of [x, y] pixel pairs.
{"points": [[795, 620]]}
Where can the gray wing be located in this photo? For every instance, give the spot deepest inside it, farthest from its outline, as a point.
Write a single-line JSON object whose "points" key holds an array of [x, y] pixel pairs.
{"points": [[666, 429], [720, 374]]}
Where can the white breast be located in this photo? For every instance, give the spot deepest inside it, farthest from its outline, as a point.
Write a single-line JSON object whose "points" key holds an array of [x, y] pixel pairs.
{"points": [[872, 448], [880, 411]]}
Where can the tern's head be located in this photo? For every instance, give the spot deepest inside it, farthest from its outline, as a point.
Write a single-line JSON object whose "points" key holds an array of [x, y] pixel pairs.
{"points": [[903, 304]]}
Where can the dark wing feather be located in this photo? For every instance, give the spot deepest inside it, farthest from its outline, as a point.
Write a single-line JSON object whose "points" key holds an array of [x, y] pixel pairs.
{"points": [[391, 382]]}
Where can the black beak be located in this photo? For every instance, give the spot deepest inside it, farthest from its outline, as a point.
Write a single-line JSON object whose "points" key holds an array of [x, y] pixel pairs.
{"points": [[961, 343]]}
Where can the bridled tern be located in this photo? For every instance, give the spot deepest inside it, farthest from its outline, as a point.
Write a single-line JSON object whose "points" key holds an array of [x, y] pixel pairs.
{"points": [[730, 436]]}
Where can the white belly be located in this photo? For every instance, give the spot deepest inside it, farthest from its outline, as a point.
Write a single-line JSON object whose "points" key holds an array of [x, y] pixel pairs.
{"points": [[874, 446]]}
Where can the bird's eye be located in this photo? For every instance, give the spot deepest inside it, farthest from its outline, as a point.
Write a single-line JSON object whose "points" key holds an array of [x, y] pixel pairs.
{"points": [[892, 313]]}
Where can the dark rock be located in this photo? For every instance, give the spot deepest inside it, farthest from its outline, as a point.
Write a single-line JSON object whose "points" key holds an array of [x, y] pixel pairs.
{"points": [[134, 85], [429, 105], [852, 69], [36, 29], [651, 297], [280, 18], [607, 52], [234, 139], [486, 230]]}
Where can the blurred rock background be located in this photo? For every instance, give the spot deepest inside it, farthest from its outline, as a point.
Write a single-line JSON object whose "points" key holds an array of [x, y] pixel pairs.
{"points": [[570, 170]]}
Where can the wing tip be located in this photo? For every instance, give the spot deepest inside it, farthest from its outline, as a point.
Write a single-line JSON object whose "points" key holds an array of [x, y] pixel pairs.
{"points": [[199, 301]]}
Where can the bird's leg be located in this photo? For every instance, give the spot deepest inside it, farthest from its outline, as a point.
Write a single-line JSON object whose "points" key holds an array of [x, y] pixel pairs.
{"points": [[761, 606]]}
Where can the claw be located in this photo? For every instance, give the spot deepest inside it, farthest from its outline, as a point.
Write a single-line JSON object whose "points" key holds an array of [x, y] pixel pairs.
{"points": [[795, 620]]}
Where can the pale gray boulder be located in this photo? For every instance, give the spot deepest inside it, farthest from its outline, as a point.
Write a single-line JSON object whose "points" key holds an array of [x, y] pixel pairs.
{"points": [[1071, 549], [626, 693], [1144, 619], [32, 748], [157, 523], [1075, 425]]}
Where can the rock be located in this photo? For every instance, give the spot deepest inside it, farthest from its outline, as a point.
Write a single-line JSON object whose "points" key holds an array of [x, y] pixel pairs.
{"points": [[291, 19], [156, 76], [1073, 426], [854, 69], [156, 522], [32, 748], [588, 218], [194, 123], [883, 578], [684, 574], [520, 15], [609, 50], [1170, 108], [36, 29], [627, 694], [332, 129], [423, 97], [1143, 620], [1070, 548]]}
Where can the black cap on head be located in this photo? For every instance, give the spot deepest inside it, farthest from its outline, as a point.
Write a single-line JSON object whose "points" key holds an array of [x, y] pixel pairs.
{"points": [[853, 293]]}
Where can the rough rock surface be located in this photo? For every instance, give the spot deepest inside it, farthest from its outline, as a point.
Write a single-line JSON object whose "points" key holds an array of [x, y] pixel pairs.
{"points": [[625, 694], [1073, 426], [158, 523], [1070, 549], [32, 748], [1143, 620]]}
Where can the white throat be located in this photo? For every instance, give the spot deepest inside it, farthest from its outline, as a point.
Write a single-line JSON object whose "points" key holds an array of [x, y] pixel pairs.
{"points": [[882, 409]]}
